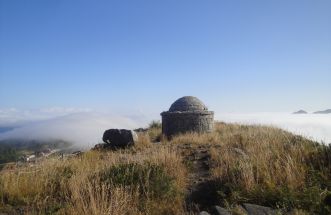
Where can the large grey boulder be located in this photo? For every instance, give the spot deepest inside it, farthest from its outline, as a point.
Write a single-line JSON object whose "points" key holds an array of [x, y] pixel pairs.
{"points": [[258, 210], [217, 210], [120, 137]]}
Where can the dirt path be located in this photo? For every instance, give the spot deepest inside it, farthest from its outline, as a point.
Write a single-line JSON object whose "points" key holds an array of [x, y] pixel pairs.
{"points": [[200, 190]]}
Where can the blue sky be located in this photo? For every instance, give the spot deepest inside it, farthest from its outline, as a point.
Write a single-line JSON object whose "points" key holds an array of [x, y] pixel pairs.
{"points": [[237, 56]]}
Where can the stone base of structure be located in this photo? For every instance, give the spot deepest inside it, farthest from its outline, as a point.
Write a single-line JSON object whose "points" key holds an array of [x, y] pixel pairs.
{"points": [[189, 121]]}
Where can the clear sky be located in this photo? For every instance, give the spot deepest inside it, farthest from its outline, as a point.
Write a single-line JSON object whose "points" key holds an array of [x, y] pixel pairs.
{"points": [[236, 56]]}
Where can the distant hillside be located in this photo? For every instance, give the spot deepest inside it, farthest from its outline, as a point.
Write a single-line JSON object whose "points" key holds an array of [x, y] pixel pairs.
{"points": [[323, 111], [300, 112], [12, 149], [5, 129]]}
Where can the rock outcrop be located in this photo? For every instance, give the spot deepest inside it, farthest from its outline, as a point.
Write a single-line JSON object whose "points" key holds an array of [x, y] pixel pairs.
{"points": [[117, 138], [120, 137], [247, 209]]}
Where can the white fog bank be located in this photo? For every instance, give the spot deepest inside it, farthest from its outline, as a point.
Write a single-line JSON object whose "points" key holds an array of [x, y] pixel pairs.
{"points": [[313, 126], [82, 129], [85, 129]]}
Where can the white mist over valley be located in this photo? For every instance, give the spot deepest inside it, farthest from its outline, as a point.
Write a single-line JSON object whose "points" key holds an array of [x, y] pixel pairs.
{"points": [[313, 126], [84, 127]]}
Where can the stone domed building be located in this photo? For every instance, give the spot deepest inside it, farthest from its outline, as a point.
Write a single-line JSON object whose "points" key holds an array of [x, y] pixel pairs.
{"points": [[187, 114]]}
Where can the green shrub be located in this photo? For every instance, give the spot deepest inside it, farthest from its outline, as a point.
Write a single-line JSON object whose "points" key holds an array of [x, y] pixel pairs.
{"points": [[155, 124], [8, 154], [151, 179]]}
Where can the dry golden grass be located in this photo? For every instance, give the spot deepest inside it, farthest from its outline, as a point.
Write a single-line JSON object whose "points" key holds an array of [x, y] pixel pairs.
{"points": [[265, 165], [269, 166], [91, 197], [144, 141], [261, 155], [74, 186], [155, 131], [195, 139]]}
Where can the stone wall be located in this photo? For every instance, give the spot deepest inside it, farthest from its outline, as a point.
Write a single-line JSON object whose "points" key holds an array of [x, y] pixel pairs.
{"points": [[180, 122]]}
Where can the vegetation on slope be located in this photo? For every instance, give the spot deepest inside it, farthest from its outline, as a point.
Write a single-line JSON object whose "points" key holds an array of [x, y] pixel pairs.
{"points": [[12, 149], [8, 154], [121, 182], [266, 166], [254, 164]]}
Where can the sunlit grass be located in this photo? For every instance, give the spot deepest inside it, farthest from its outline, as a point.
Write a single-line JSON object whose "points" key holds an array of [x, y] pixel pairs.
{"points": [[76, 186], [256, 164]]}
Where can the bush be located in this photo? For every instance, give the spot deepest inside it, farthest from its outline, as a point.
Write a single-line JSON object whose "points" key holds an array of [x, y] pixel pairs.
{"points": [[151, 179], [8, 154], [155, 131], [155, 124]]}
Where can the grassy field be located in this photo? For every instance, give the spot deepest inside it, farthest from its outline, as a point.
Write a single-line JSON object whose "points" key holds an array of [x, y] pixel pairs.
{"points": [[246, 164]]}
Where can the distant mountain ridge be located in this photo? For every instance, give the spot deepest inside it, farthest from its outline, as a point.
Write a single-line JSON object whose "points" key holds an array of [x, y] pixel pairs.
{"points": [[300, 112], [5, 129], [327, 111]]}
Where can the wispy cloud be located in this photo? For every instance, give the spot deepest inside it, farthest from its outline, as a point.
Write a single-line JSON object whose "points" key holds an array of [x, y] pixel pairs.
{"points": [[15, 116]]}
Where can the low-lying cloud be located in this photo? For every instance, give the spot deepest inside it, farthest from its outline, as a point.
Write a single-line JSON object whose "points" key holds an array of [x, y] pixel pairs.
{"points": [[85, 128], [313, 126], [17, 117]]}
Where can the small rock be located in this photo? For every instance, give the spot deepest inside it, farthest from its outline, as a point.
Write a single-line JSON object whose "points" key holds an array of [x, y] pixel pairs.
{"points": [[238, 209], [217, 210], [241, 153], [77, 153], [327, 200], [100, 146], [258, 210], [204, 213]]}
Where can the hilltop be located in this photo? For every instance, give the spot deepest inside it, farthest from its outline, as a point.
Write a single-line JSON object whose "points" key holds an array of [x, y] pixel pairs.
{"points": [[323, 111], [327, 111], [234, 165], [300, 112]]}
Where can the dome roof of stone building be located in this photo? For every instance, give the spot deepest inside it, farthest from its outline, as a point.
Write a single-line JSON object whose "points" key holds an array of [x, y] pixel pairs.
{"points": [[188, 103]]}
